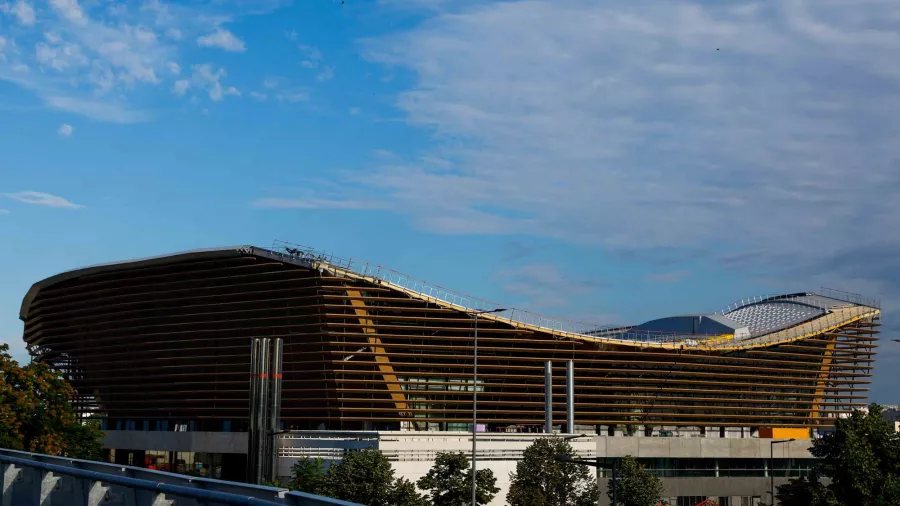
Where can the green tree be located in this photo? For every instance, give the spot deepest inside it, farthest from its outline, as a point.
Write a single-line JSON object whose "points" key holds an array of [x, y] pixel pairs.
{"points": [[539, 480], [36, 413], [806, 492], [861, 458], [307, 475], [449, 481], [366, 477], [635, 486], [404, 493]]}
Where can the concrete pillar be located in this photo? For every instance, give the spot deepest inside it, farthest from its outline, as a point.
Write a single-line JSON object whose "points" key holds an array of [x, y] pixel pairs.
{"points": [[548, 397], [570, 396]]}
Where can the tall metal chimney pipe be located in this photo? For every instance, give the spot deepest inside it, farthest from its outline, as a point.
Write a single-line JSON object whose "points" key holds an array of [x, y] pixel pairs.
{"points": [[570, 396], [548, 397]]}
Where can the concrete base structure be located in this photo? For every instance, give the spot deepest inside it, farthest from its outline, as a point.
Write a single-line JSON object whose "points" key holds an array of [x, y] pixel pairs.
{"points": [[734, 469], [738, 491], [700, 467], [211, 442]]}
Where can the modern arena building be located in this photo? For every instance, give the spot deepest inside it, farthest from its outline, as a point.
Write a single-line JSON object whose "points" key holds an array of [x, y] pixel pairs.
{"points": [[159, 349]]}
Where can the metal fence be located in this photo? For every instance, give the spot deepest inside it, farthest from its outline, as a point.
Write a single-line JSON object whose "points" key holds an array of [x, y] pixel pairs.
{"points": [[853, 298], [513, 316], [31, 479]]}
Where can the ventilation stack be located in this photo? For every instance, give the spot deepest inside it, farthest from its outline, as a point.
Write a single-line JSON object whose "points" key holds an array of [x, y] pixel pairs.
{"points": [[548, 397], [265, 409], [570, 397]]}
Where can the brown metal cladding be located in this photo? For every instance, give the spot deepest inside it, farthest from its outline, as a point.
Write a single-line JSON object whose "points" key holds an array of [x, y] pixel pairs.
{"points": [[171, 339]]}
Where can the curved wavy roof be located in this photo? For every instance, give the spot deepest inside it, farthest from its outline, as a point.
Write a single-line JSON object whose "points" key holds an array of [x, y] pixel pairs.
{"points": [[758, 322]]}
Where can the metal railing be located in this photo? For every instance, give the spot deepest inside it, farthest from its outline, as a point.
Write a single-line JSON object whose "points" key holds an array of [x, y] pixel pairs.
{"points": [[31, 479], [514, 316], [853, 298], [438, 293]]}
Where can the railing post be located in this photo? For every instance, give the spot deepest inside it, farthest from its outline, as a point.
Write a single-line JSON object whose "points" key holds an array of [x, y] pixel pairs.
{"points": [[11, 475], [48, 485], [96, 492]]}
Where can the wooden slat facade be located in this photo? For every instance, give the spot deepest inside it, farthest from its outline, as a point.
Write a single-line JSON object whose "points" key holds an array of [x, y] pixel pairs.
{"points": [[171, 340]]}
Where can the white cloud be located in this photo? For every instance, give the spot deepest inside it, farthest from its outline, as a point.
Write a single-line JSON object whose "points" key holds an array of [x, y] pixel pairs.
{"points": [[667, 277], [174, 34], [325, 75], [96, 57], [353, 111], [312, 54], [24, 12], [620, 124], [59, 56], [315, 203], [259, 96], [292, 96], [65, 130], [42, 199], [209, 77], [102, 110], [542, 285], [4, 211], [181, 86], [271, 82], [206, 77], [222, 39], [69, 10]]}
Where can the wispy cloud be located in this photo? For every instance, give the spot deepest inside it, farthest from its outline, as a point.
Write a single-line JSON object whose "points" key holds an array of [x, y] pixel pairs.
{"points": [[65, 130], [326, 74], [104, 110], [654, 125], [42, 199], [94, 58], [542, 286], [222, 39], [208, 78], [667, 277], [4, 211], [22, 11], [312, 56], [315, 203]]}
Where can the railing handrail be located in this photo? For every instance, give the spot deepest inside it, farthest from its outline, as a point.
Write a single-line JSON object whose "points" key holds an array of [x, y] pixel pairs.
{"points": [[515, 316], [184, 491]]}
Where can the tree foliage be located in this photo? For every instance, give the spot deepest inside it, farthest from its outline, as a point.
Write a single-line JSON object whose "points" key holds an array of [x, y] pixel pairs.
{"points": [[539, 480], [308, 475], [806, 491], [36, 414], [449, 481], [862, 460], [364, 477], [404, 493], [635, 486]]}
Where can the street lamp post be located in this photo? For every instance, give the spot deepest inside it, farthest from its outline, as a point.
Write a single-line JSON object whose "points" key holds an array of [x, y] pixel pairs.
{"points": [[475, 399], [772, 466], [595, 462]]}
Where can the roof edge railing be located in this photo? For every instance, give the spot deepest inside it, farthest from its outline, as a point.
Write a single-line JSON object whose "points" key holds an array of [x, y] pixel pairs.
{"points": [[514, 316]]}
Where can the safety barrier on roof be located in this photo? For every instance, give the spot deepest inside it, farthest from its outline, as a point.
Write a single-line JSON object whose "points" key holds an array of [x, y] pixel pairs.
{"points": [[823, 315]]}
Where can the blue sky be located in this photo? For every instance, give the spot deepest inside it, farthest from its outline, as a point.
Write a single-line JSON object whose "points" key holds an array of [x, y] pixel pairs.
{"points": [[608, 162]]}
